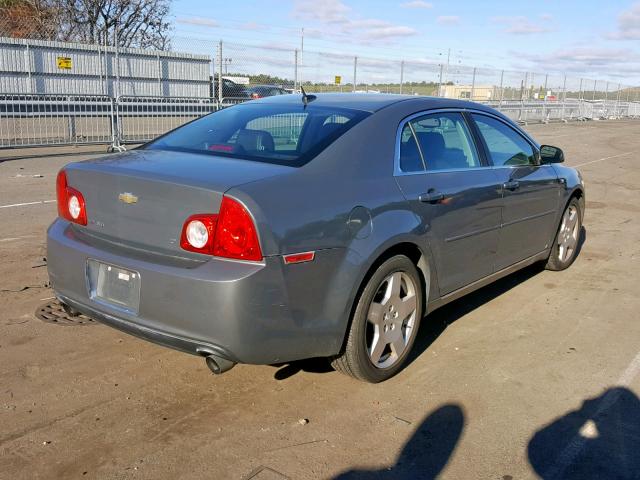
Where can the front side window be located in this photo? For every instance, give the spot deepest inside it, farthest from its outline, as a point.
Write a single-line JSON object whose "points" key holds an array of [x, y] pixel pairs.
{"points": [[283, 134], [445, 142], [506, 146]]}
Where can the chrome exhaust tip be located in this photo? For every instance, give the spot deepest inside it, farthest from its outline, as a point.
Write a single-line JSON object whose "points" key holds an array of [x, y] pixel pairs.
{"points": [[218, 365]]}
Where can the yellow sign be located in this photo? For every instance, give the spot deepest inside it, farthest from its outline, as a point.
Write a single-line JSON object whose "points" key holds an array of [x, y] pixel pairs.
{"points": [[338, 79], [64, 63]]}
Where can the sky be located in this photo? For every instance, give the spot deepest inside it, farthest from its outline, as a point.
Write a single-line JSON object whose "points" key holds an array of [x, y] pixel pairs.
{"points": [[583, 39]]}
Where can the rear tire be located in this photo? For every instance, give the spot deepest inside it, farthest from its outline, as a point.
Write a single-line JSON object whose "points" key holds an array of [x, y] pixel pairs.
{"points": [[384, 324], [567, 241]]}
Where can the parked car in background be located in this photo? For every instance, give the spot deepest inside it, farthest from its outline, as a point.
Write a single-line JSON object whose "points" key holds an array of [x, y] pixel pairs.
{"points": [[309, 226], [231, 91], [261, 91]]}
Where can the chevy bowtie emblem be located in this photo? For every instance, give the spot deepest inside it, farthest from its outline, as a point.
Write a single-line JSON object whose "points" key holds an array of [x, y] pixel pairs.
{"points": [[127, 197]]}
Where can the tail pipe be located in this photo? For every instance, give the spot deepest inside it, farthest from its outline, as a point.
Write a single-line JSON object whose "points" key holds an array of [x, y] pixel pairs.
{"points": [[216, 363]]}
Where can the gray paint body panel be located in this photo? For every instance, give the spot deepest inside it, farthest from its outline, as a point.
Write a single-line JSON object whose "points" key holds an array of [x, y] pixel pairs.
{"points": [[267, 312]]}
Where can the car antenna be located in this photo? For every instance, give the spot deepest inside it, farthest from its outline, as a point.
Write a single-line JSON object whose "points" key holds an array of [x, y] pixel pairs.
{"points": [[306, 98]]}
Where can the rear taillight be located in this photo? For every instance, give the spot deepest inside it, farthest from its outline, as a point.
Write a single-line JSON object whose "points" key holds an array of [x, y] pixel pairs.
{"points": [[255, 95], [71, 204], [229, 234]]}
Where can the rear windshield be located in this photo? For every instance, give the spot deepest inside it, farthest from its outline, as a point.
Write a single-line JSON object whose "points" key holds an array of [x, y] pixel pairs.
{"points": [[282, 134]]}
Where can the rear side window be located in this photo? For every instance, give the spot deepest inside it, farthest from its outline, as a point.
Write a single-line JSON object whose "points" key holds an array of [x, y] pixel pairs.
{"points": [[438, 141], [410, 157], [506, 146], [282, 134]]}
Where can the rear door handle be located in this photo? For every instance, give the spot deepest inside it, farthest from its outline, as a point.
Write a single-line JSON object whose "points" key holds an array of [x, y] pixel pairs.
{"points": [[432, 196], [511, 185]]}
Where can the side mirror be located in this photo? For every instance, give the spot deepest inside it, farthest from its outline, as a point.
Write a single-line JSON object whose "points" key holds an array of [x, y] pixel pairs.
{"points": [[549, 154]]}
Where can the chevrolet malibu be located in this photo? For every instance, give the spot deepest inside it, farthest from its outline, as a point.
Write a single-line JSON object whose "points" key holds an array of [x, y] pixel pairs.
{"points": [[309, 226]]}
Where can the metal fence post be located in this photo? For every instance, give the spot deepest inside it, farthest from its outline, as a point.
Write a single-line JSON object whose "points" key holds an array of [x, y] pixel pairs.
{"points": [[295, 70], [473, 85], [116, 92], [401, 74], [618, 102], [220, 74], [116, 145], [27, 64], [501, 89], [564, 97], [159, 75], [595, 85], [355, 71], [440, 93], [545, 119], [105, 68], [580, 92]]}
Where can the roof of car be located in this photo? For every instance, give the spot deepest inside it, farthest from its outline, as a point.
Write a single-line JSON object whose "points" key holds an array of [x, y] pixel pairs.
{"points": [[371, 102]]}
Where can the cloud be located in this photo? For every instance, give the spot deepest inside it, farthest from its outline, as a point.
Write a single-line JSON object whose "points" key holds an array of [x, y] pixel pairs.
{"points": [[326, 11], [520, 25], [201, 22], [448, 20], [337, 16], [417, 4], [587, 61], [628, 24], [253, 26], [390, 31]]}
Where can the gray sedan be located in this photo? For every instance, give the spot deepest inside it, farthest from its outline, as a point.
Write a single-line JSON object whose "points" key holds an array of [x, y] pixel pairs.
{"points": [[309, 226]]}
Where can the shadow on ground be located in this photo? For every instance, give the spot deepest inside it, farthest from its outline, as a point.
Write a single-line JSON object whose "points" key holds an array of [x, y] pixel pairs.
{"points": [[600, 440], [426, 453]]}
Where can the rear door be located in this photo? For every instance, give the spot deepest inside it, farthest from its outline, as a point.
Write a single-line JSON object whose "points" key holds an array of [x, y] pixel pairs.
{"points": [[445, 177], [531, 191]]}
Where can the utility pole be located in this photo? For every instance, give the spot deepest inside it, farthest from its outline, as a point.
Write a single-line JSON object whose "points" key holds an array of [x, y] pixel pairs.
{"points": [[355, 70], [301, 55], [446, 74]]}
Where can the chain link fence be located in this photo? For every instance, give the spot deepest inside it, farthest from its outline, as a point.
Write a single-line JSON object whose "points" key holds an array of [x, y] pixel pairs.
{"points": [[55, 93]]}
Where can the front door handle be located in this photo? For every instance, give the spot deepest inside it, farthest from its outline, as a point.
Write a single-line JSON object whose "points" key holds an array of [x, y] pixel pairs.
{"points": [[432, 196], [511, 185]]}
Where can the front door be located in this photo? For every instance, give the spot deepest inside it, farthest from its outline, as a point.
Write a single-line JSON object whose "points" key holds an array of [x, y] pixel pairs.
{"points": [[458, 197], [531, 192]]}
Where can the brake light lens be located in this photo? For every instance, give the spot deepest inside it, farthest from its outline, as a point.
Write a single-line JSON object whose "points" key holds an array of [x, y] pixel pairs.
{"points": [[71, 204], [236, 234], [229, 234], [255, 95]]}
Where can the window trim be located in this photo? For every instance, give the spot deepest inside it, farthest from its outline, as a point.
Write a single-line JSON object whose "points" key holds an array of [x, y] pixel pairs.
{"points": [[398, 172], [482, 148]]}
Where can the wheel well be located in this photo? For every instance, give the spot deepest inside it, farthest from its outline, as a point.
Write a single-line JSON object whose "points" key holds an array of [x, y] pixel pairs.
{"points": [[579, 195], [413, 253]]}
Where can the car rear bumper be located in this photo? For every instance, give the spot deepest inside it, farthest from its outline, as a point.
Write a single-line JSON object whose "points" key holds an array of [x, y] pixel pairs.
{"points": [[241, 311]]}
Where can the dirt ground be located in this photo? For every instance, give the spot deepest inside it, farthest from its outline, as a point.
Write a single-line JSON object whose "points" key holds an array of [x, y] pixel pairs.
{"points": [[537, 375]]}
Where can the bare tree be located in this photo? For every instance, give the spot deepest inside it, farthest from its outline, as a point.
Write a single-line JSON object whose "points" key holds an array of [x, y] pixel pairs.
{"points": [[127, 23], [27, 19]]}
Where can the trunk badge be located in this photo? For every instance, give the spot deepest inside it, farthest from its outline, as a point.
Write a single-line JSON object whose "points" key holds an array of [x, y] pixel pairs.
{"points": [[127, 197]]}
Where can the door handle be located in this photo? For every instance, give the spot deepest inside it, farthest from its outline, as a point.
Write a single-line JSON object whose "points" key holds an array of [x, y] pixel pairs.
{"points": [[511, 185], [432, 196]]}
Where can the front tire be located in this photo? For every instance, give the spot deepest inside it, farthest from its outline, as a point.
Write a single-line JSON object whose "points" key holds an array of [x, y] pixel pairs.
{"points": [[566, 244], [384, 324]]}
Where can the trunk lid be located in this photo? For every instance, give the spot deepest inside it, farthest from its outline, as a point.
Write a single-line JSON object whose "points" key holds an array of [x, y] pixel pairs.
{"points": [[143, 197]]}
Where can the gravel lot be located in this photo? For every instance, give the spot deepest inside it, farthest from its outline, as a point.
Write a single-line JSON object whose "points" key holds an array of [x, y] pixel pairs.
{"points": [[537, 375]]}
